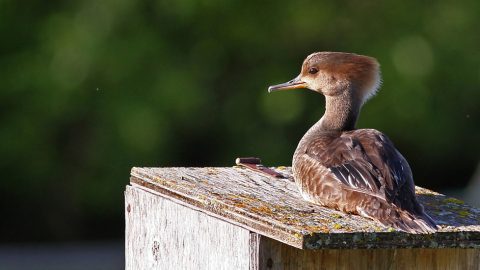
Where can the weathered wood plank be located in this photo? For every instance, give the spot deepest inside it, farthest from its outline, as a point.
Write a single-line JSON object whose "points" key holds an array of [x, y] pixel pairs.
{"points": [[161, 234], [274, 255], [273, 207]]}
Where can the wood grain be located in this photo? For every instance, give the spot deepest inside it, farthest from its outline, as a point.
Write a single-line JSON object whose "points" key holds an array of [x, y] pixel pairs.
{"points": [[273, 207], [161, 234], [274, 255]]}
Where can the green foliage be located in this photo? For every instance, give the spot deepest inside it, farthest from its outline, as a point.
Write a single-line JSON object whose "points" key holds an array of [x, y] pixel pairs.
{"points": [[91, 88]]}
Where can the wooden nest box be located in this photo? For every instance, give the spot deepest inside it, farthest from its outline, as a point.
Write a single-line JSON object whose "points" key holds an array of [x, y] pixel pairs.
{"points": [[235, 218]]}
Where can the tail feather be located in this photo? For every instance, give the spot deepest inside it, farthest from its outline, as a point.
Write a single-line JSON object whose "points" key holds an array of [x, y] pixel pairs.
{"points": [[413, 224], [403, 220], [407, 222]]}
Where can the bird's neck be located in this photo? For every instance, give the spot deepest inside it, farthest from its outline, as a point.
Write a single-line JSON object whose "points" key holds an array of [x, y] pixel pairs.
{"points": [[341, 113]]}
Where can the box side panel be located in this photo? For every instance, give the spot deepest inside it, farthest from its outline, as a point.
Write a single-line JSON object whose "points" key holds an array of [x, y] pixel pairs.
{"points": [[161, 234], [276, 255]]}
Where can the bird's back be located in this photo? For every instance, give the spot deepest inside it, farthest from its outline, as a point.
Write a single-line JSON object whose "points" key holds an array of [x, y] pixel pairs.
{"points": [[359, 171]]}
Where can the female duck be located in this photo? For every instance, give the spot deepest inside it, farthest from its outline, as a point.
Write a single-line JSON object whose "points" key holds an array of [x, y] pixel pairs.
{"points": [[353, 170]]}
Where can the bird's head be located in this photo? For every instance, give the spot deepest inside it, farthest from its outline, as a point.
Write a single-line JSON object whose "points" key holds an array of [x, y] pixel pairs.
{"points": [[335, 73]]}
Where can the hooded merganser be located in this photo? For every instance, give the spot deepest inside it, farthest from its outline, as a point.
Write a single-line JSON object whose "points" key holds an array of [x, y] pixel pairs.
{"points": [[353, 170]]}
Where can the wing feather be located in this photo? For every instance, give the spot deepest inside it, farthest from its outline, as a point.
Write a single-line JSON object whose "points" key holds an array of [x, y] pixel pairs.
{"points": [[361, 172], [363, 160]]}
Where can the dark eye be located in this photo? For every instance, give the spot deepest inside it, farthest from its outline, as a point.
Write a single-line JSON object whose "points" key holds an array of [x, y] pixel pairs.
{"points": [[313, 70]]}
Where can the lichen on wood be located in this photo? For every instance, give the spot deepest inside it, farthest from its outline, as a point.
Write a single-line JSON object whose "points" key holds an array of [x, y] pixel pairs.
{"points": [[273, 207]]}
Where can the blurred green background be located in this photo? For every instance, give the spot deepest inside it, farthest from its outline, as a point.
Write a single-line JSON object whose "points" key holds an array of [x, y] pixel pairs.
{"points": [[90, 89]]}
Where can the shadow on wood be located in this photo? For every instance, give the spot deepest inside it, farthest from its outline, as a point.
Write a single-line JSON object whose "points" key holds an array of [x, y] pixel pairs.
{"points": [[449, 211]]}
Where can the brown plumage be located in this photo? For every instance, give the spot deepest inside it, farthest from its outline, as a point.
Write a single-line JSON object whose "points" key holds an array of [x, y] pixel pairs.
{"points": [[353, 170]]}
